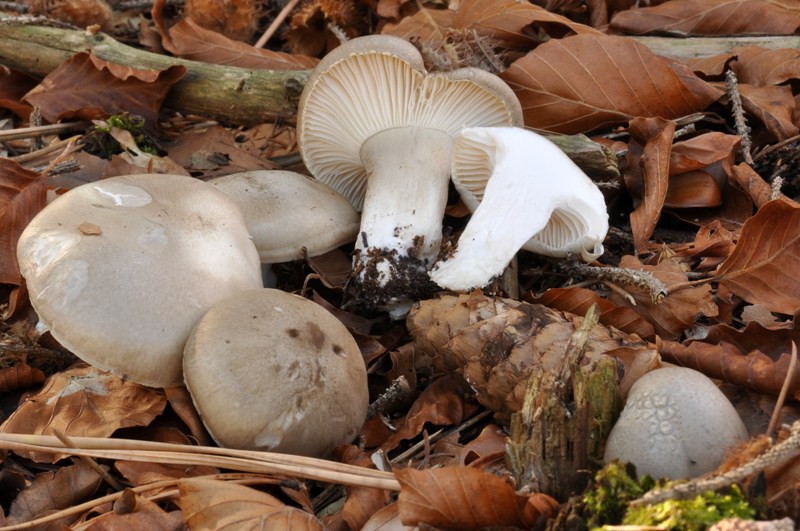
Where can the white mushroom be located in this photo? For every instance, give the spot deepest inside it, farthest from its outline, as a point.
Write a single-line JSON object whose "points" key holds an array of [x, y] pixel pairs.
{"points": [[525, 193], [376, 127], [269, 370], [676, 424], [120, 270], [290, 216]]}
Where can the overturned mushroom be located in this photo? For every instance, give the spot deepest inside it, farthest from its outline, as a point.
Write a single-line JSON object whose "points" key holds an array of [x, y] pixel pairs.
{"points": [[269, 370], [376, 127], [525, 193], [120, 270], [290, 216]]}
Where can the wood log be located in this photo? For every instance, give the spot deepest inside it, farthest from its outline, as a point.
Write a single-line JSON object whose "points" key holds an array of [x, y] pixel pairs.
{"points": [[224, 93]]}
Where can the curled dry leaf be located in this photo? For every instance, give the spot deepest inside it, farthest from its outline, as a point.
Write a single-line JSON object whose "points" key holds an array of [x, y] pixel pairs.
{"points": [[23, 193], [647, 174], [710, 17], [133, 511], [443, 403], [192, 41], [84, 401], [495, 344], [13, 86], [20, 376], [309, 30], [85, 87], [213, 504], [361, 502], [759, 190], [753, 65], [579, 300], [586, 82], [679, 311], [763, 267], [501, 23], [51, 491], [456, 497]]}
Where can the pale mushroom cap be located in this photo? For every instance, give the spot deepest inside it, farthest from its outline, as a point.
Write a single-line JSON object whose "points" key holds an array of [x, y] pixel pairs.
{"points": [[676, 424], [578, 217], [378, 82], [269, 370], [120, 270], [286, 212]]}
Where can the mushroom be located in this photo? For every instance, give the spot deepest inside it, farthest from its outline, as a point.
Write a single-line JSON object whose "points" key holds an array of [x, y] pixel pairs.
{"points": [[377, 128], [525, 193], [269, 370], [119, 270], [290, 216], [676, 423]]}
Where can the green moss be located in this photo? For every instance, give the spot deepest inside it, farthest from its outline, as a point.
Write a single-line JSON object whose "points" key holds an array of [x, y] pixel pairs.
{"points": [[607, 503], [99, 142]]}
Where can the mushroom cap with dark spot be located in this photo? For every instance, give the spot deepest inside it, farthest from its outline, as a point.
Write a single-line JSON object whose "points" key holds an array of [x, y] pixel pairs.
{"points": [[124, 294], [269, 370]]}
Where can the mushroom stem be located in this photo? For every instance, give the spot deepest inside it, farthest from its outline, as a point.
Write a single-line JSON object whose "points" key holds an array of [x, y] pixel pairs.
{"points": [[401, 223], [534, 190]]}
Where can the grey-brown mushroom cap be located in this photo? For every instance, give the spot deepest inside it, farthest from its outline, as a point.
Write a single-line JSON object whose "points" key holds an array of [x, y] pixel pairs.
{"points": [[287, 212], [676, 423], [269, 370], [120, 270], [374, 83]]}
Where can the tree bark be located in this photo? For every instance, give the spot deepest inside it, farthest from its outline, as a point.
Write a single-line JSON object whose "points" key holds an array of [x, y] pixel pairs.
{"points": [[225, 93]]}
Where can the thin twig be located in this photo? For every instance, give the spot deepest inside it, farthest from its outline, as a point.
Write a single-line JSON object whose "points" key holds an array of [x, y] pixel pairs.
{"points": [[91, 463], [48, 150], [621, 275], [408, 454], [742, 129], [41, 130], [787, 381], [398, 390], [276, 23]]}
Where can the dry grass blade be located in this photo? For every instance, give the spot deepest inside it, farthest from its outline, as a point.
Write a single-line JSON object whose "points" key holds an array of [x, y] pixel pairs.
{"points": [[241, 460]]}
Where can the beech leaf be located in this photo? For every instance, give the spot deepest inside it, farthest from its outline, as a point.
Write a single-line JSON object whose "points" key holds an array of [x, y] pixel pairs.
{"points": [[212, 504], [457, 497], [23, 193], [763, 267], [710, 17], [586, 82], [85, 87]]}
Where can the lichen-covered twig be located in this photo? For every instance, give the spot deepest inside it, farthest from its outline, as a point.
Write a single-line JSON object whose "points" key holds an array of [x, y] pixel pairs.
{"points": [[742, 129], [779, 454], [398, 390], [620, 275]]}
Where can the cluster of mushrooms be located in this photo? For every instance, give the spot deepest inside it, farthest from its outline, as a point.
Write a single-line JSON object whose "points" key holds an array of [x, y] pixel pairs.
{"points": [[159, 277]]}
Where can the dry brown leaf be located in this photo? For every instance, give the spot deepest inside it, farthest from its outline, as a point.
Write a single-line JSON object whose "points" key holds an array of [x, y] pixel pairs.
{"points": [[496, 343], [679, 311], [20, 376], [387, 519], [755, 186], [647, 174], [754, 369], [442, 403], [309, 30], [587, 82], [465, 498], [710, 17], [763, 267], [191, 41], [361, 502], [23, 193], [132, 511], [80, 89], [13, 86], [505, 24], [712, 244], [699, 169], [579, 300], [84, 401], [218, 505], [235, 19], [51, 491], [774, 106], [763, 67]]}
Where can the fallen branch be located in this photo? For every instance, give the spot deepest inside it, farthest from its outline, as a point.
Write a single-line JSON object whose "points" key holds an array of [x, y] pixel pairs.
{"points": [[225, 93], [698, 47]]}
